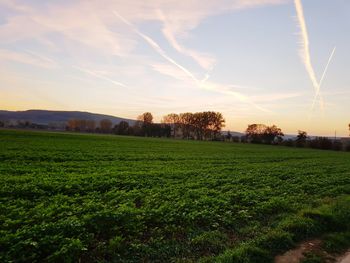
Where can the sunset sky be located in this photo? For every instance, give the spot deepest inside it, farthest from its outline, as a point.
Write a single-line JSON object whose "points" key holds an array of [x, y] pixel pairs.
{"points": [[256, 61]]}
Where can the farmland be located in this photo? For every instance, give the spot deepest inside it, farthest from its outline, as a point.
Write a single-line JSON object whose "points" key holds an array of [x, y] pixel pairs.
{"points": [[102, 198]]}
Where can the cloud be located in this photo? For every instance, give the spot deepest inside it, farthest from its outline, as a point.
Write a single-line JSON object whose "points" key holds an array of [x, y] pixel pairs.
{"points": [[88, 33], [227, 90], [157, 48], [30, 58], [75, 24], [91, 25], [15, 6], [177, 25], [169, 70], [276, 97], [204, 84], [206, 61]]}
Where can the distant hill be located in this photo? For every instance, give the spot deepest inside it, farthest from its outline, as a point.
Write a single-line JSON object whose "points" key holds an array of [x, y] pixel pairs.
{"points": [[239, 134], [233, 133], [46, 116]]}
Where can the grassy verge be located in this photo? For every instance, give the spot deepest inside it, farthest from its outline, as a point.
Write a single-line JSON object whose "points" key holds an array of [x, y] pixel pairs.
{"points": [[330, 221]]}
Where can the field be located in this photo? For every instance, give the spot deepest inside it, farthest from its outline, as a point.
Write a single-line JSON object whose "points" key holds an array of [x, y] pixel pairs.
{"points": [[103, 198]]}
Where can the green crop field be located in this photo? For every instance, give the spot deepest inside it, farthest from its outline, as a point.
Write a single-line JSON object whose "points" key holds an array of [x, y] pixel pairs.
{"points": [[104, 198]]}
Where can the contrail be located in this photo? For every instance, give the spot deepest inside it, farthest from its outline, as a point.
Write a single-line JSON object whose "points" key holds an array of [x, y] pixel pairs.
{"points": [[157, 48], [305, 51], [322, 78], [204, 60], [326, 68], [161, 52], [225, 90], [100, 76], [200, 83]]}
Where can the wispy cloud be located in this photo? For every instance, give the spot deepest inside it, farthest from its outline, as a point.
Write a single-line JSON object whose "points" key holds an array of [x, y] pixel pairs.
{"points": [[206, 61], [203, 84], [227, 90], [177, 25], [156, 47], [276, 97], [170, 70], [42, 57], [15, 5], [79, 25], [28, 57], [87, 33]]}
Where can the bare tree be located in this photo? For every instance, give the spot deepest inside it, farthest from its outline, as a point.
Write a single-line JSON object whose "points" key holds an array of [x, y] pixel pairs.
{"points": [[254, 132], [105, 126], [186, 121], [273, 133], [216, 123], [260, 133], [173, 120], [202, 125], [146, 117], [146, 121], [73, 125], [90, 125]]}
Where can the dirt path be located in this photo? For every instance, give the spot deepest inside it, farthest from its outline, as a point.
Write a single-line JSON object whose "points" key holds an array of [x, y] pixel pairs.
{"points": [[345, 258], [297, 254]]}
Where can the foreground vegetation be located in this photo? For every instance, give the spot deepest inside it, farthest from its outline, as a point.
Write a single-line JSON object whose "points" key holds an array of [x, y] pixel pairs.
{"points": [[102, 198]]}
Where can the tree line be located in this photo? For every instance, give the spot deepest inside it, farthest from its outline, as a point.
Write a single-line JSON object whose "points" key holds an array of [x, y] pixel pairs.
{"points": [[200, 126], [205, 125], [323, 143], [261, 133]]}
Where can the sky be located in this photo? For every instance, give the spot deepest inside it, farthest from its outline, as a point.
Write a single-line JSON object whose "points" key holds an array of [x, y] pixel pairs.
{"points": [[282, 62]]}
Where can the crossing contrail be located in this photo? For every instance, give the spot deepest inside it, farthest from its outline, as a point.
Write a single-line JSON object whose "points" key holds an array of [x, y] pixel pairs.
{"points": [[322, 78], [305, 55]]}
